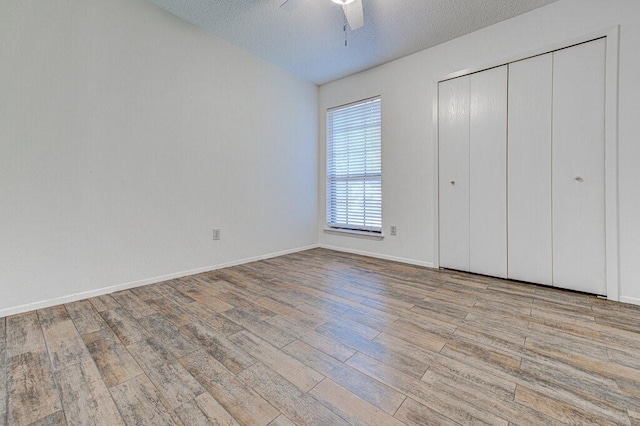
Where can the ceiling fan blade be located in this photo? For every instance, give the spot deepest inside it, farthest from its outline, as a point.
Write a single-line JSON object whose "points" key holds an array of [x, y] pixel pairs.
{"points": [[355, 15], [290, 4]]}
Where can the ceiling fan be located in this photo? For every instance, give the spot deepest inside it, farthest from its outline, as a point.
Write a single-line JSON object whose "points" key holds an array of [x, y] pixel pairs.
{"points": [[352, 10]]}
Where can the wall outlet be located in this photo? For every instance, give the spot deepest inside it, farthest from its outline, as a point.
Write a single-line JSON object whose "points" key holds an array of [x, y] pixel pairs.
{"points": [[216, 234], [394, 230]]}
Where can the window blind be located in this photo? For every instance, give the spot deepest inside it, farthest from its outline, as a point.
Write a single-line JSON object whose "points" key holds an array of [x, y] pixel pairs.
{"points": [[354, 166]]}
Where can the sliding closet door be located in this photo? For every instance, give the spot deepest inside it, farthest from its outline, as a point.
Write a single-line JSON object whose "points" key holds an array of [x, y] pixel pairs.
{"points": [[578, 168], [488, 172], [529, 170], [453, 149]]}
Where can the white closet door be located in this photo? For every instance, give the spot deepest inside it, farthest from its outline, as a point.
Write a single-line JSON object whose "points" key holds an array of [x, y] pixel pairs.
{"points": [[529, 170], [453, 148], [488, 172], [578, 168]]}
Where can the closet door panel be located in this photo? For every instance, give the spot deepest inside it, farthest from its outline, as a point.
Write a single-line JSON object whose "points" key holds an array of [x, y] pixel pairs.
{"points": [[488, 172], [453, 148], [578, 168], [529, 170]]}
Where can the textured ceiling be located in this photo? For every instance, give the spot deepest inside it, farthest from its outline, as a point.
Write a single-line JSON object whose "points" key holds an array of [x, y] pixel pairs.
{"points": [[309, 42]]}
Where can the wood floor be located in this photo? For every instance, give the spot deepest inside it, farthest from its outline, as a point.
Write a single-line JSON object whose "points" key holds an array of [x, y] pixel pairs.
{"points": [[324, 338]]}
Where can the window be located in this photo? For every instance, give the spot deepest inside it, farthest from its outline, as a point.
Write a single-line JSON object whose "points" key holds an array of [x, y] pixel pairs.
{"points": [[354, 166]]}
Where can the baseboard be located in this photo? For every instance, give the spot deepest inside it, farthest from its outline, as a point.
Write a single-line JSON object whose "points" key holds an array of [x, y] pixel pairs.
{"points": [[379, 256], [631, 300], [133, 284]]}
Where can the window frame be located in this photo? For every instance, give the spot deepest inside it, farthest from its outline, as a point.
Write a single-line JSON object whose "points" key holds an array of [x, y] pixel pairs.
{"points": [[363, 178]]}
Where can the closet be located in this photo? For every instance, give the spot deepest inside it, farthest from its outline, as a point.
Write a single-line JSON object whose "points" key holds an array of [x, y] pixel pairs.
{"points": [[521, 170]]}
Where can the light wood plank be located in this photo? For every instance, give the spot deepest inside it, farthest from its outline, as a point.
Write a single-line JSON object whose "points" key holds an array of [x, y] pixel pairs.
{"points": [[245, 305], [174, 384], [446, 404], [349, 406], [378, 349], [376, 393], [204, 411], [557, 409], [288, 367], [140, 403], [104, 302], [31, 388], [150, 353], [415, 414], [111, 357], [52, 315], [242, 402], [64, 344], [213, 302], [169, 292], [275, 336], [199, 310], [219, 347], [137, 307], [24, 334], [282, 309], [55, 419], [322, 343], [85, 398], [124, 325], [171, 311], [168, 335], [296, 405], [85, 317], [146, 292]]}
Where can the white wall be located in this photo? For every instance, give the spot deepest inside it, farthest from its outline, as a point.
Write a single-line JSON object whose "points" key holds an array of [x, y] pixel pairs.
{"points": [[126, 136], [409, 91]]}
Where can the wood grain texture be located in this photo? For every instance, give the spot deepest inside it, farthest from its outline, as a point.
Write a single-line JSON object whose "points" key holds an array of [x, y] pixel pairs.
{"points": [[111, 357], [321, 337], [102, 303], [64, 344], [433, 397], [322, 343], [124, 325], [219, 347], [137, 307], [168, 335], [23, 334], [204, 410], [31, 388], [241, 401], [174, 383], [140, 403], [349, 406], [288, 367], [85, 398], [282, 420], [295, 404], [55, 419], [85, 317], [367, 388]]}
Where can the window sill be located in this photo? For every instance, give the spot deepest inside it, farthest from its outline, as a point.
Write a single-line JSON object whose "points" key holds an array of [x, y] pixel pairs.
{"points": [[352, 233]]}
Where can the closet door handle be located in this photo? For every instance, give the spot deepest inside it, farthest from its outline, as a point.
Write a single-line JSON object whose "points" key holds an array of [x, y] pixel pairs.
{"points": [[453, 182], [579, 179]]}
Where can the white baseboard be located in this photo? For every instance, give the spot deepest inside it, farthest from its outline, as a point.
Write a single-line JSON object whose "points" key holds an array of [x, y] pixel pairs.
{"points": [[631, 300], [379, 256], [125, 286]]}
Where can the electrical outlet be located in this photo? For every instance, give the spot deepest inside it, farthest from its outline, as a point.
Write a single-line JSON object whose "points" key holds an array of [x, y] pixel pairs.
{"points": [[216, 234], [394, 230]]}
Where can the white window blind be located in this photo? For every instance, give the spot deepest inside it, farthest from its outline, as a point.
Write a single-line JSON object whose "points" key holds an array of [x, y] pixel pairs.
{"points": [[354, 166]]}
